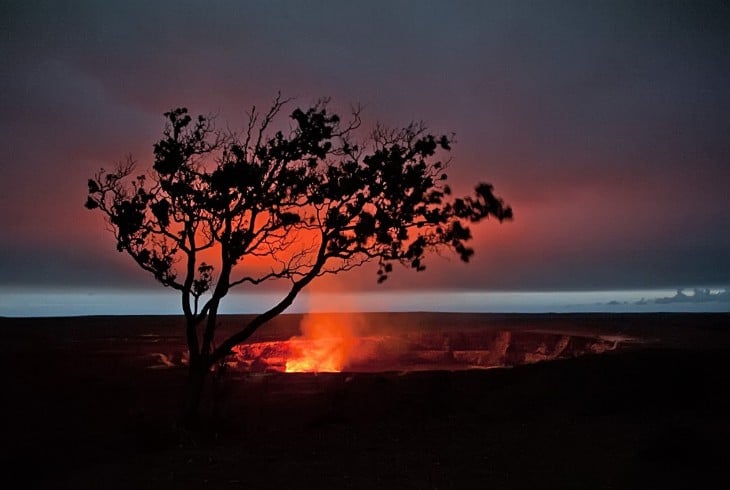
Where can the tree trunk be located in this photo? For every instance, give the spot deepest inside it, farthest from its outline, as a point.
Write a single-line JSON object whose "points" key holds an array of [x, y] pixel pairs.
{"points": [[194, 394]]}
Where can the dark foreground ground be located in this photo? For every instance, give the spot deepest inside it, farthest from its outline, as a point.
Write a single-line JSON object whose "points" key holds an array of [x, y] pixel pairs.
{"points": [[81, 408]]}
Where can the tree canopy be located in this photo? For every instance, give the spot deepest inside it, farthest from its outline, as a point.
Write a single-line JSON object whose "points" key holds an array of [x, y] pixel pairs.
{"points": [[220, 209]]}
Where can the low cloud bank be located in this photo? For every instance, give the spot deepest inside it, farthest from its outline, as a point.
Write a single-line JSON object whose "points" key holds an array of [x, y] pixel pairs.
{"points": [[699, 295]]}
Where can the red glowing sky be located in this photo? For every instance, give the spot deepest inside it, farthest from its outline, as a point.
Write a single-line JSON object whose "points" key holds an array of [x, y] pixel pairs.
{"points": [[605, 127]]}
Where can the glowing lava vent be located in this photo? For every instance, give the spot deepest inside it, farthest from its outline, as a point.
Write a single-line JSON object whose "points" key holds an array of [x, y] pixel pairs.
{"points": [[324, 347]]}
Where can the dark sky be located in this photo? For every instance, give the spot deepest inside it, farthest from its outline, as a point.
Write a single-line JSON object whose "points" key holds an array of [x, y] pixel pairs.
{"points": [[606, 125]]}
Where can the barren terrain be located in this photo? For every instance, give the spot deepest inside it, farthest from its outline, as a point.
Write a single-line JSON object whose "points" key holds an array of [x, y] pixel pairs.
{"points": [[628, 401]]}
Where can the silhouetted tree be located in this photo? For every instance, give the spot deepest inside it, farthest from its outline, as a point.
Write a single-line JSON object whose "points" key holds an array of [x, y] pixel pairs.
{"points": [[264, 205]]}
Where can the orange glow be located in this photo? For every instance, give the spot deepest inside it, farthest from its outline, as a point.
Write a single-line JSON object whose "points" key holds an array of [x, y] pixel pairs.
{"points": [[330, 346], [325, 346]]}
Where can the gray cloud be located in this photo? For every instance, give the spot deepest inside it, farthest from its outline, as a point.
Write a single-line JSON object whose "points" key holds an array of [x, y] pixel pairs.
{"points": [[699, 295], [604, 124]]}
